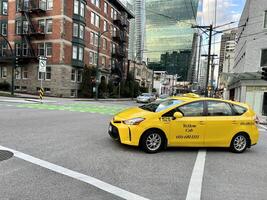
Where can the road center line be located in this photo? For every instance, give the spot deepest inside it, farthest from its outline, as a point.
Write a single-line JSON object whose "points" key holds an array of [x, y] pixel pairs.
{"points": [[76, 175], [195, 185]]}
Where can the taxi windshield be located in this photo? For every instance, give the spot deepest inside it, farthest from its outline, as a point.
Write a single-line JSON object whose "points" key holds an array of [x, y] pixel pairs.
{"points": [[159, 106]]}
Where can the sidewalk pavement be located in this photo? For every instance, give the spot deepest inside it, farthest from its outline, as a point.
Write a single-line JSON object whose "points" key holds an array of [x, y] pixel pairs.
{"points": [[35, 98]]}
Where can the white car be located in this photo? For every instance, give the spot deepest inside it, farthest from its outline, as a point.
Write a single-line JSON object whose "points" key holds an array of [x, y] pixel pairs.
{"points": [[145, 98]]}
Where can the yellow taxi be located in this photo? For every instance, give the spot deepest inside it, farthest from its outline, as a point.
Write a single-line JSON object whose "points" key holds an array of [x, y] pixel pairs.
{"points": [[188, 121]]}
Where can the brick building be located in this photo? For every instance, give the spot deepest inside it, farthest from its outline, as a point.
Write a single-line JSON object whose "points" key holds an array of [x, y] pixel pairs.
{"points": [[67, 33]]}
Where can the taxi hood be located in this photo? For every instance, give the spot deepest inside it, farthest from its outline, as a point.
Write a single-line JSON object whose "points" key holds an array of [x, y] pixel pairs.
{"points": [[131, 113]]}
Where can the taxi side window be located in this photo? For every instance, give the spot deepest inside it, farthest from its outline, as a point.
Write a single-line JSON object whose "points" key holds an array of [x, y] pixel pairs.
{"points": [[217, 108], [192, 109], [239, 110]]}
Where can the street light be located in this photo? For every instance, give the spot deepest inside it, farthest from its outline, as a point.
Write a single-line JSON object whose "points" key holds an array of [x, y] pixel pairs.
{"points": [[97, 67], [13, 62]]}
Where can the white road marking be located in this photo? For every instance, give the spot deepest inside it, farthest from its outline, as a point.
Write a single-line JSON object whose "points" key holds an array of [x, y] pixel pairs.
{"points": [[76, 175], [262, 127], [195, 185]]}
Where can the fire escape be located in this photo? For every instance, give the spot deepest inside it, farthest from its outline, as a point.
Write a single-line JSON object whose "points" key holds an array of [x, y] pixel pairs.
{"points": [[120, 52], [30, 30]]}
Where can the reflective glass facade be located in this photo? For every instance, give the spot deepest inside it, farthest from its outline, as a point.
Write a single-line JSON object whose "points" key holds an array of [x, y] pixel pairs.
{"points": [[163, 32]]}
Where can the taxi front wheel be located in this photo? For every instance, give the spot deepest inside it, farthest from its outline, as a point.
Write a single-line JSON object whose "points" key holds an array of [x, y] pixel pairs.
{"points": [[239, 143], [152, 141]]}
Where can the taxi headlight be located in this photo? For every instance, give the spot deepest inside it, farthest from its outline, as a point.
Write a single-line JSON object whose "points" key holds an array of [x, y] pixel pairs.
{"points": [[134, 121]]}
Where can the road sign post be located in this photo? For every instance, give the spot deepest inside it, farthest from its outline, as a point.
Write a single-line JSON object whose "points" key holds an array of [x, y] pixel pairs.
{"points": [[42, 71]]}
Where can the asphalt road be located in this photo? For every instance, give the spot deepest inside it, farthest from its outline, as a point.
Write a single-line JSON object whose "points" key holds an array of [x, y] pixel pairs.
{"points": [[74, 135]]}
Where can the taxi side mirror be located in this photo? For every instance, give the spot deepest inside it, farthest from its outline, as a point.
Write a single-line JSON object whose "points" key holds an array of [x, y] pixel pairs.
{"points": [[178, 115]]}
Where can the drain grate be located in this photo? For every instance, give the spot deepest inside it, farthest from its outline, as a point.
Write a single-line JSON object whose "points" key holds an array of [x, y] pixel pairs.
{"points": [[5, 155]]}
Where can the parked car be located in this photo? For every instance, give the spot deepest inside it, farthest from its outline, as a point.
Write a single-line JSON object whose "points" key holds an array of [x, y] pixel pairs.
{"points": [[145, 98], [162, 97]]}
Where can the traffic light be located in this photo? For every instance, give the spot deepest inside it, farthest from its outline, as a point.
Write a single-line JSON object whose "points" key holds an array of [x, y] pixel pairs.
{"points": [[264, 73]]}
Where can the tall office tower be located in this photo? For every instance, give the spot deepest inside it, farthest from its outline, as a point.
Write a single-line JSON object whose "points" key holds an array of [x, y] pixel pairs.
{"points": [[168, 27], [137, 30]]}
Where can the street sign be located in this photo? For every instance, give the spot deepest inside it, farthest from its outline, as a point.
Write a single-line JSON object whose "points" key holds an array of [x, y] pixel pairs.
{"points": [[42, 64]]}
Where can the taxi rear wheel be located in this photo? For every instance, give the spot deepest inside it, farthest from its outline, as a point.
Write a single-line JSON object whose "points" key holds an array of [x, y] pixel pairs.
{"points": [[239, 143], [152, 141]]}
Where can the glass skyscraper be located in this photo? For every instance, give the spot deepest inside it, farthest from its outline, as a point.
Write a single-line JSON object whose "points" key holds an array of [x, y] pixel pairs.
{"points": [[168, 27]]}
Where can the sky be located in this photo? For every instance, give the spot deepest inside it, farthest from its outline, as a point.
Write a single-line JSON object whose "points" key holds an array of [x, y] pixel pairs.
{"points": [[227, 11]]}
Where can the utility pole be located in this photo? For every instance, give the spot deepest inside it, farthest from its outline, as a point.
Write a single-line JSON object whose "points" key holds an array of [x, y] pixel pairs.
{"points": [[209, 58]]}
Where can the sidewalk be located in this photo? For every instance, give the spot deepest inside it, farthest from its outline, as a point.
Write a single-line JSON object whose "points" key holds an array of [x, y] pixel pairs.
{"points": [[35, 98]]}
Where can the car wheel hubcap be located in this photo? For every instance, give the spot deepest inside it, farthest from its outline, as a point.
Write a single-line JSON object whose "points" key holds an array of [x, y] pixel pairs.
{"points": [[240, 143], [153, 141]]}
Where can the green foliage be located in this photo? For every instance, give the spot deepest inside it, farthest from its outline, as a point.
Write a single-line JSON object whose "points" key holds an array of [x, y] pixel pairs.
{"points": [[103, 88], [87, 85], [4, 86], [154, 90]]}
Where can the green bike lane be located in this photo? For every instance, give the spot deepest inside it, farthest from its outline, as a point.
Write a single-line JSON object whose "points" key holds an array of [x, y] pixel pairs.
{"points": [[105, 109]]}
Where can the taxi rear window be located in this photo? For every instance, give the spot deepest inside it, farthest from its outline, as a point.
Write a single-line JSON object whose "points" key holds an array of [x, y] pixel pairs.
{"points": [[160, 106]]}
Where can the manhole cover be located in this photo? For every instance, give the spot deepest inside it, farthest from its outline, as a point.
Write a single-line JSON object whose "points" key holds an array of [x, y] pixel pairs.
{"points": [[5, 155]]}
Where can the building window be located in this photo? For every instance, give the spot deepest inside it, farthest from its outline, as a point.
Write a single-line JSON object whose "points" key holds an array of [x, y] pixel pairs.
{"points": [[48, 48], [91, 57], [49, 26], [48, 73], [4, 49], [72, 93], [264, 58], [4, 7], [79, 76], [104, 44], [17, 88], [95, 19], [41, 49], [75, 30], [74, 52], [265, 19], [80, 53], [105, 25], [82, 9], [18, 27], [41, 25], [18, 49], [4, 29], [96, 3], [73, 75], [49, 4], [93, 39], [25, 50], [105, 8], [81, 32], [112, 13], [4, 72], [76, 7], [25, 73], [25, 27]]}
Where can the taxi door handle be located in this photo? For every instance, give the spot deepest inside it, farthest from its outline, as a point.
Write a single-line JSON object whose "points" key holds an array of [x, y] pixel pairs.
{"points": [[202, 123]]}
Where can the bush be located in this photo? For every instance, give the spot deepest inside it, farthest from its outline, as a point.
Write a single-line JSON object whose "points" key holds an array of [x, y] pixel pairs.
{"points": [[4, 86]]}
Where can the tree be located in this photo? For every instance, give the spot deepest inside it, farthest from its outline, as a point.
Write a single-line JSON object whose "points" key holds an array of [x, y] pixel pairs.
{"points": [[87, 84]]}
